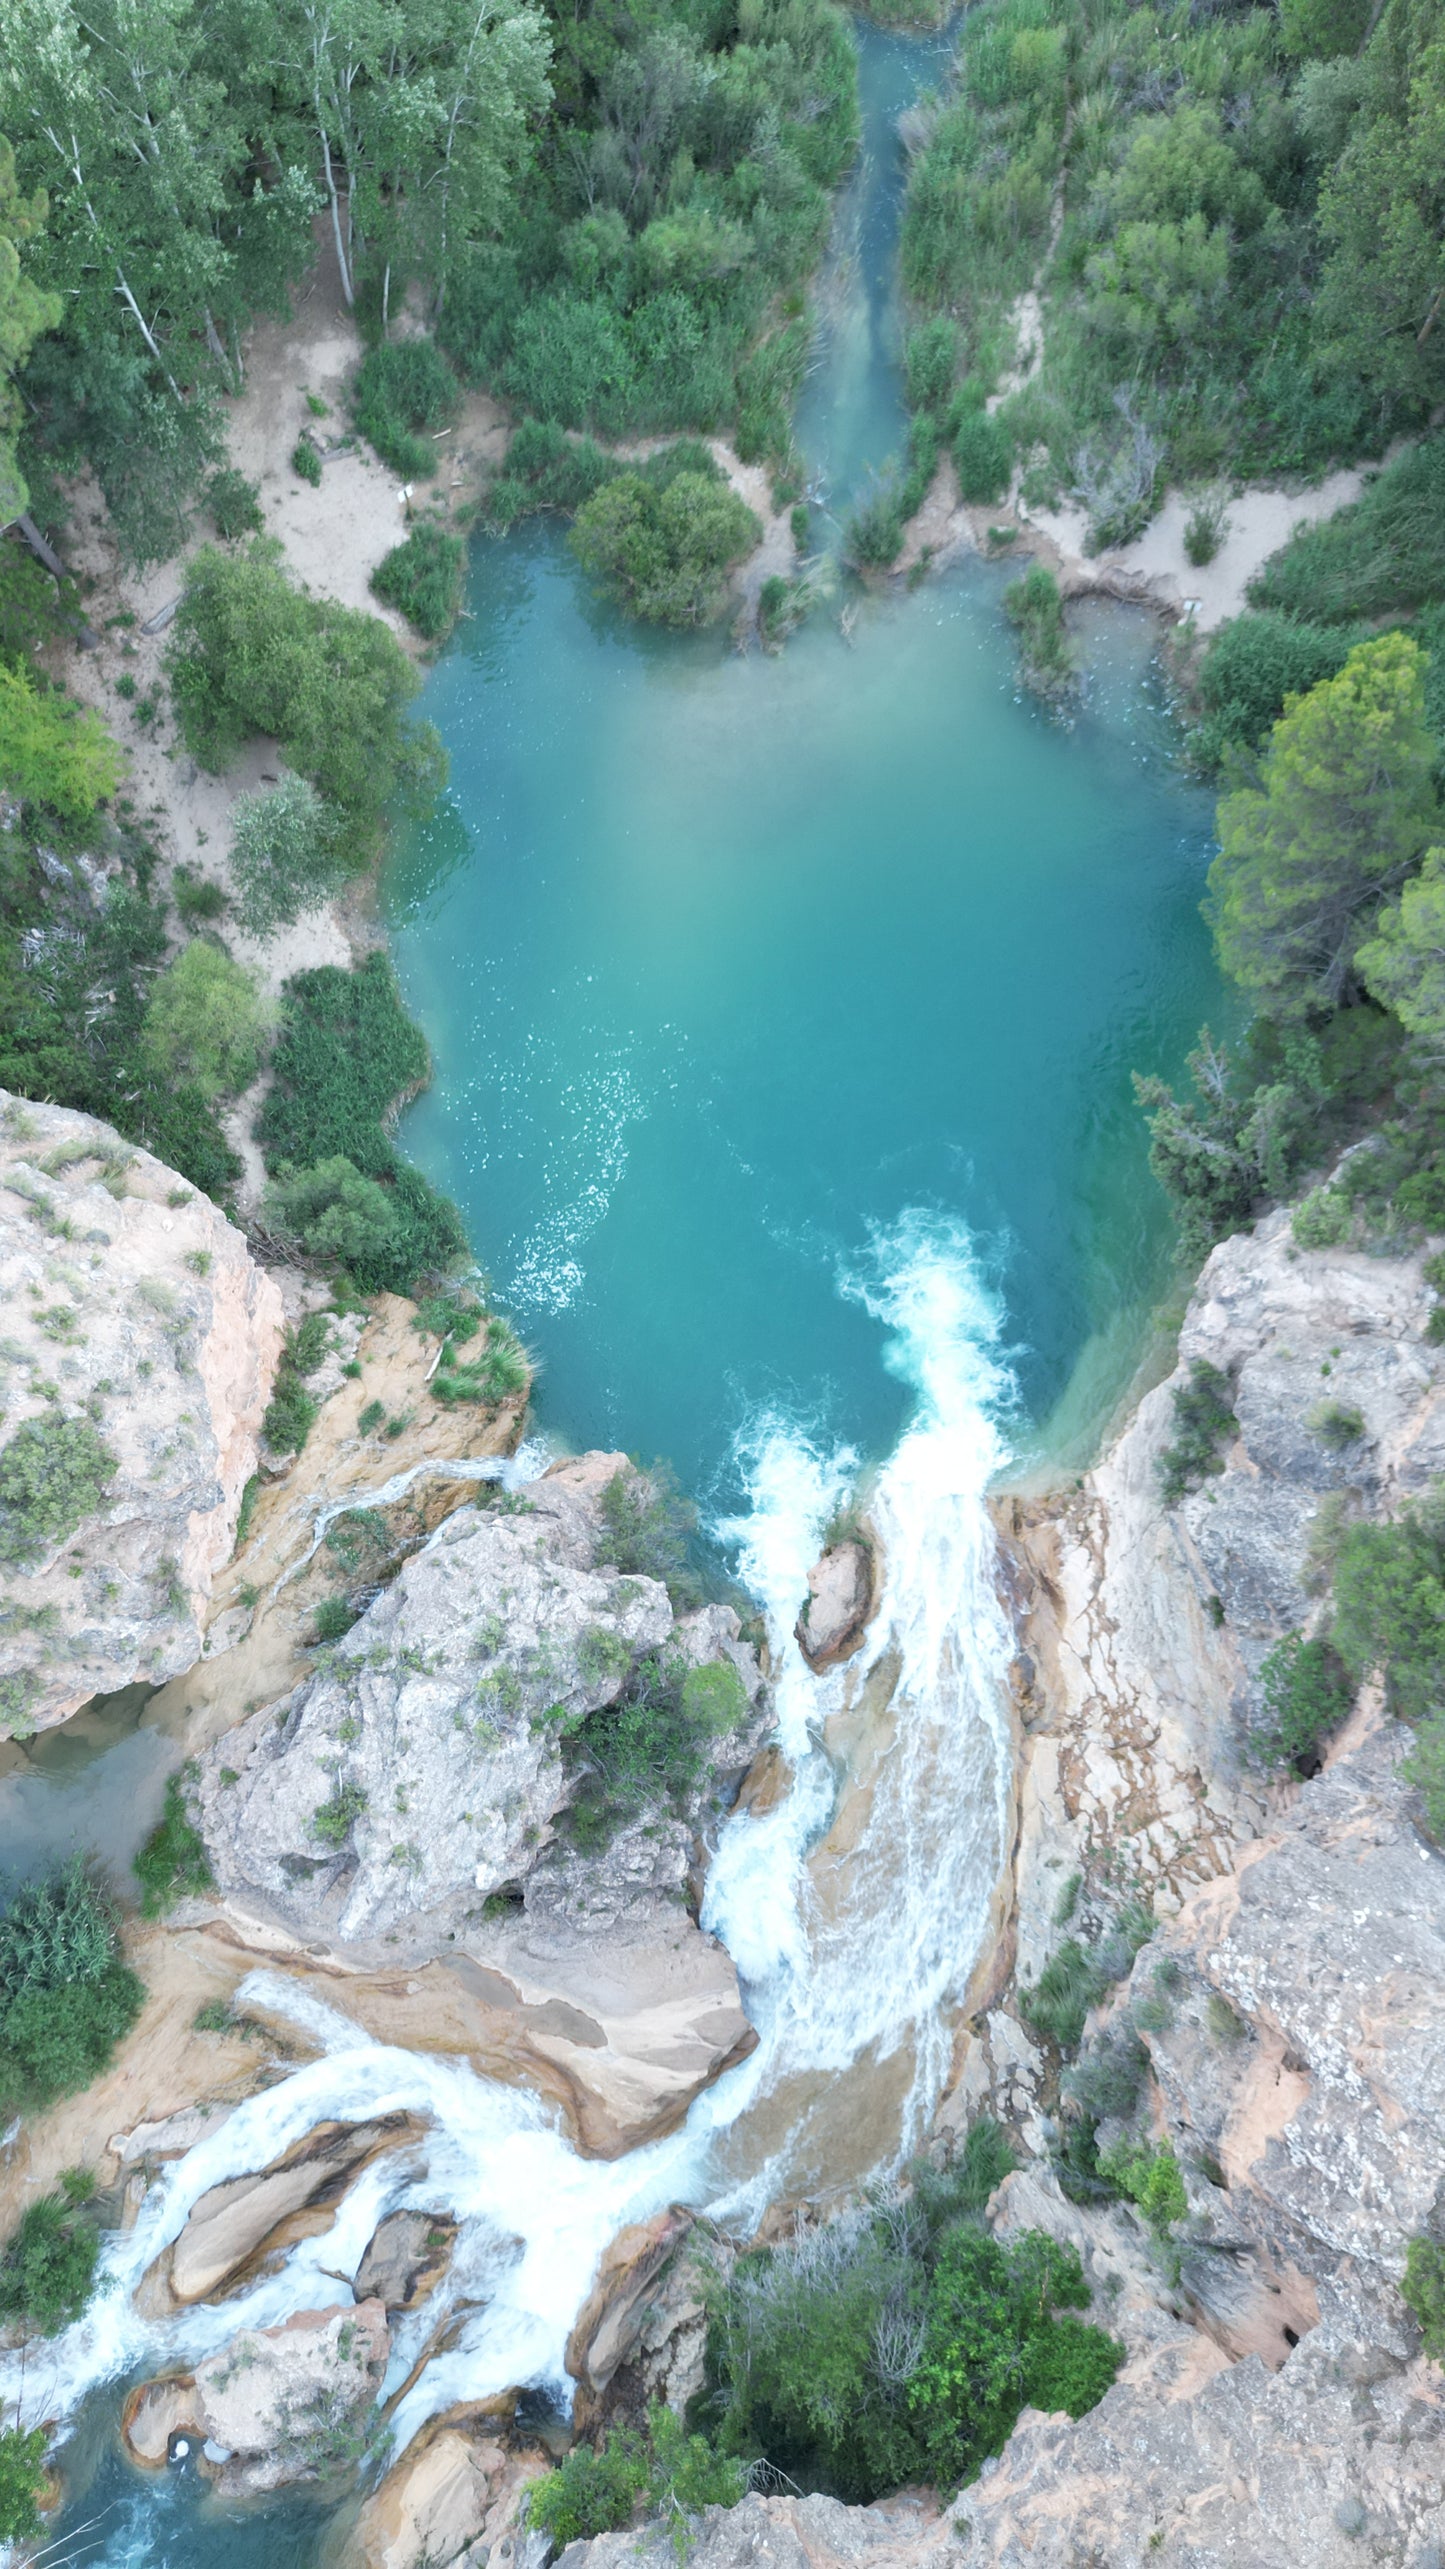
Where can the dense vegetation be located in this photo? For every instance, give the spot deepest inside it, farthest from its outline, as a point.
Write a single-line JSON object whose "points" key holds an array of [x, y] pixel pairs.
{"points": [[66, 1996], [173, 1860], [899, 2342], [664, 2472], [1233, 217], [48, 2264], [346, 1056]]}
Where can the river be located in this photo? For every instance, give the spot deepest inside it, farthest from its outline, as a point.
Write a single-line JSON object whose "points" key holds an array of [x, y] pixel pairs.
{"points": [[783, 1012]]}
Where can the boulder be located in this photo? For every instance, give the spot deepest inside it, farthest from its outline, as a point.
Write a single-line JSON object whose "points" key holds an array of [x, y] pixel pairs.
{"points": [[422, 1768], [456, 2486], [275, 2406], [641, 2334], [136, 1319], [234, 2228], [840, 1604], [405, 2259]]}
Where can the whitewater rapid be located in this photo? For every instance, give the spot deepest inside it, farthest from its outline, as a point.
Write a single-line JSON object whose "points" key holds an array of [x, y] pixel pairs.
{"points": [[830, 1983]]}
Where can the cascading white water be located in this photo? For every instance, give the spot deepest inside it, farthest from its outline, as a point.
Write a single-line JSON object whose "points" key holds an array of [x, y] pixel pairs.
{"points": [[843, 1960]]}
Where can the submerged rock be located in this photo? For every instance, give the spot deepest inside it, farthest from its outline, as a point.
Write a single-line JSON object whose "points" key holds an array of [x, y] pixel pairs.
{"points": [[139, 1344], [840, 1604], [422, 1769]]}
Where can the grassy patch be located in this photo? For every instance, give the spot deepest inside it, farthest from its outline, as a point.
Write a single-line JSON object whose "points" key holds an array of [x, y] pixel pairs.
{"points": [[422, 579]]}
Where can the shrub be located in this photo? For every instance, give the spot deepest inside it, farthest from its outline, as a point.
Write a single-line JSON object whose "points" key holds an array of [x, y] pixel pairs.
{"points": [[598, 2491], [287, 854], [173, 1864], [402, 388], [234, 503], [1250, 666], [649, 1748], [48, 2267], [422, 579], [499, 1373], [253, 654], [1057, 2003], [291, 1411], [334, 1617], [333, 1821], [1204, 530], [66, 1998], [205, 1023], [54, 1473], [22, 2482], [1390, 1605], [1423, 2292], [648, 1526], [1425, 1769], [306, 463], [51, 752], [1105, 2085], [1383, 554], [1151, 2179], [1323, 1218], [1307, 1694], [199, 901], [874, 532], [664, 551], [1035, 609], [1203, 1420], [1336, 1424], [983, 457]]}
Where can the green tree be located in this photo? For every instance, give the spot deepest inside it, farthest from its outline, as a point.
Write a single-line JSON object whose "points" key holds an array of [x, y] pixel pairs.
{"points": [[665, 553], [1403, 963], [338, 1215], [206, 1022], [286, 854], [25, 311], [1382, 210], [54, 752], [48, 2267], [1343, 812], [22, 2479]]}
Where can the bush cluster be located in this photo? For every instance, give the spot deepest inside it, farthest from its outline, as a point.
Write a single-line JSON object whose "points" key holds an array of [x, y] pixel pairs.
{"points": [[662, 2471], [47, 2268], [172, 1864], [66, 1997], [1203, 1423], [662, 543], [404, 391], [422, 579], [346, 1056], [54, 1473], [898, 2343], [651, 1747]]}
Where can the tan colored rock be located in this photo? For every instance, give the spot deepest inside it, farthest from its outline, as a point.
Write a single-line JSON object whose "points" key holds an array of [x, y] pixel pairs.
{"points": [[405, 2259], [768, 1781], [605, 2328], [840, 1604], [155, 2413], [451, 2489], [231, 2230], [276, 2401], [136, 1298]]}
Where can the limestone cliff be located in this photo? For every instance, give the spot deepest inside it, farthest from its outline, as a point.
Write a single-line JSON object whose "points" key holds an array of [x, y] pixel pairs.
{"points": [[139, 1344]]}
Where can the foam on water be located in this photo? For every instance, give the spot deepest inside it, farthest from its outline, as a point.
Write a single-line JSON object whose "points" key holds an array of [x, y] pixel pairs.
{"points": [[826, 1982]]}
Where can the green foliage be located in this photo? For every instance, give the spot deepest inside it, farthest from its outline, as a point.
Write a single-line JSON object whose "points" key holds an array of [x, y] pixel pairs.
{"points": [[346, 1053], [253, 654], [234, 504], [422, 579], [1057, 2003], [53, 752], [22, 2482], [205, 1022], [1425, 1769], [1203, 1420], [25, 311], [599, 2490], [334, 1617], [334, 1819], [47, 2270], [1401, 964], [1150, 2178], [173, 1864], [1345, 807], [1307, 1694], [897, 2343], [1035, 609], [1382, 555], [1423, 2292], [650, 1748], [500, 1371], [306, 463], [199, 901], [1251, 667], [291, 1411], [664, 550], [983, 458], [1390, 1605], [288, 854], [1204, 530], [402, 389], [66, 1998], [648, 1526], [54, 1473]]}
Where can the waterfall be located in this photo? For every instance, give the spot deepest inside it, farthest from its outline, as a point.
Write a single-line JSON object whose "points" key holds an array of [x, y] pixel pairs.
{"points": [[843, 1989]]}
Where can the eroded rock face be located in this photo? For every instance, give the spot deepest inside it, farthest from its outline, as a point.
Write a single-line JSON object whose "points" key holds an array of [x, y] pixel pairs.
{"points": [[456, 2494], [276, 2406], [405, 2259], [840, 1604], [422, 1769], [135, 1314]]}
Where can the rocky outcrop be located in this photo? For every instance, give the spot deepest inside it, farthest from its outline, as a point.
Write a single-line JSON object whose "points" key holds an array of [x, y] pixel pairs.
{"points": [[641, 2334], [405, 2259], [841, 1603], [276, 2406], [421, 1770], [140, 1341], [456, 2494], [235, 2229]]}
